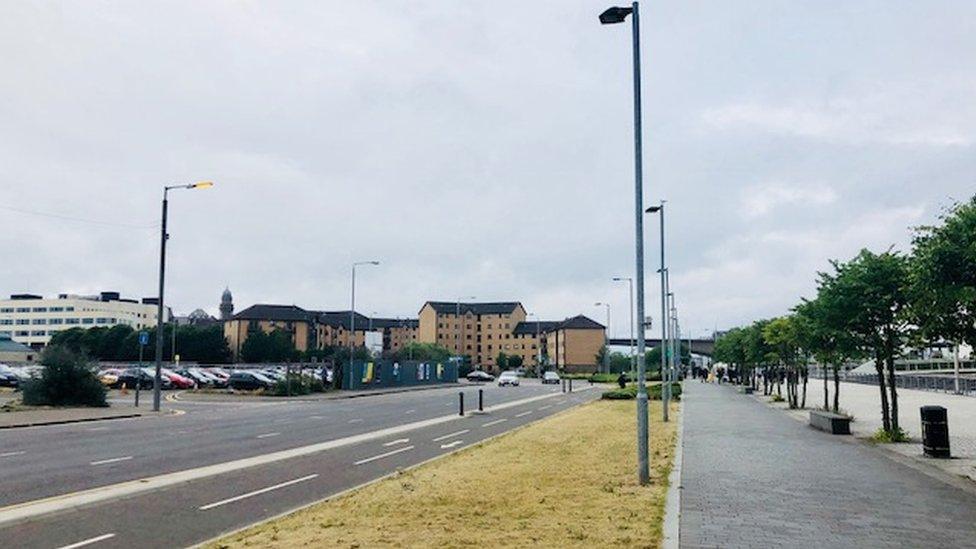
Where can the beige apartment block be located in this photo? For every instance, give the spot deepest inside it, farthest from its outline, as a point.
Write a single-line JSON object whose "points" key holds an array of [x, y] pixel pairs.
{"points": [[481, 331]]}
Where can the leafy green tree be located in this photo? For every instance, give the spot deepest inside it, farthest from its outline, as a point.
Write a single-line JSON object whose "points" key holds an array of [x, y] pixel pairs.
{"points": [[428, 352], [619, 362], [515, 361], [943, 277], [501, 361], [783, 336], [873, 289], [275, 346]]}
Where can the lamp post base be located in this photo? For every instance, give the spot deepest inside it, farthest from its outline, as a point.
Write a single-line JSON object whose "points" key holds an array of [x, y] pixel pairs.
{"points": [[643, 471]]}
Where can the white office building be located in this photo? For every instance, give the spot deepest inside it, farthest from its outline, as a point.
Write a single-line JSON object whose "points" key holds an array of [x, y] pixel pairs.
{"points": [[32, 319]]}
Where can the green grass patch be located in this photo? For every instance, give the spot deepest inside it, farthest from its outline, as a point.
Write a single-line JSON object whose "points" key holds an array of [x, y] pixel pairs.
{"points": [[887, 437]]}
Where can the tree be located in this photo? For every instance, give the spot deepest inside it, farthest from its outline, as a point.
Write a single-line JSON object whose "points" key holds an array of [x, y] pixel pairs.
{"points": [[873, 292], [942, 279], [781, 334], [515, 361], [730, 348], [501, 362], [428, 352], [275, 346]]}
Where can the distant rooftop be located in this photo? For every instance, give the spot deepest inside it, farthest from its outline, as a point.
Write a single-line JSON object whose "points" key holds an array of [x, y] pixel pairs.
{"points": [[487, 308]]}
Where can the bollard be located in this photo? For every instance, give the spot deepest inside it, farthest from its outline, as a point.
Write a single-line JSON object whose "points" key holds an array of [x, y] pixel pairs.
{"points": [[460, 404], [564, 385], [570, 385], [481, 400]]}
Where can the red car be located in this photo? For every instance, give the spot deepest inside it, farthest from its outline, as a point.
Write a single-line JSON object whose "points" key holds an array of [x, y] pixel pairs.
{"points": [[178, 381]]}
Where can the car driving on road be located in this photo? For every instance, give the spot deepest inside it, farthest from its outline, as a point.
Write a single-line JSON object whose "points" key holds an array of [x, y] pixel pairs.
{"points": [[478, 375], [550, 377], [508, 378]]}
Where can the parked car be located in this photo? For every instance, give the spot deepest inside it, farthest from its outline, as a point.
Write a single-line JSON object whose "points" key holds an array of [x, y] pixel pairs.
{"points": [[8, 377], [550, 377], [178, 381], [133, 376], [478, 375], [109, 376], [249, 381], [508, 378]]}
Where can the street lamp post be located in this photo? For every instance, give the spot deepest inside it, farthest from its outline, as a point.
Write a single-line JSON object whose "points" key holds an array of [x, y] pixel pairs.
{"points": [[538, 344], [158, 379], [633, 357], [352, 310], [606, 338], [611, 16], [665, 322]]}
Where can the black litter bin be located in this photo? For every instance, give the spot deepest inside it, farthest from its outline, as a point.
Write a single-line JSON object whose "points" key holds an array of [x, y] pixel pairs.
{"points": [[935, 431]]}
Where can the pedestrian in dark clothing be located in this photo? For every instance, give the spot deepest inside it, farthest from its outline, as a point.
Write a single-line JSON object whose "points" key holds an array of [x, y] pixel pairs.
{"points": [[622, 380]]}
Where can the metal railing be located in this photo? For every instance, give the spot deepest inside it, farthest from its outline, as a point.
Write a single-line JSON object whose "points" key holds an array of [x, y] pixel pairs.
{"points": [[944, 384]]}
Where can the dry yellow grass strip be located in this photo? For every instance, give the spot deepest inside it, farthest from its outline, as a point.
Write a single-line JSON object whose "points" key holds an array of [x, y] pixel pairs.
{"points": [[568, 481]]}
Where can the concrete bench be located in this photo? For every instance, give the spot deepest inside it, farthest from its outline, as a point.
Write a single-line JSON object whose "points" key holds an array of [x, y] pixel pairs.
{"points": [[830, 422]]}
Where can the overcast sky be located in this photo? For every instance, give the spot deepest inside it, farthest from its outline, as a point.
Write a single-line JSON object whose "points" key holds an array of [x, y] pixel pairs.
{"points": [[475, 148]]}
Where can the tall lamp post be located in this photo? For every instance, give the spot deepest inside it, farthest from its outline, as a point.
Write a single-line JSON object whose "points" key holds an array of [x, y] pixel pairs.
{"points": [[158, 379], [633, 357], [538, 353], [666, 387], [612, 16], [352, 310], [606, 338]]}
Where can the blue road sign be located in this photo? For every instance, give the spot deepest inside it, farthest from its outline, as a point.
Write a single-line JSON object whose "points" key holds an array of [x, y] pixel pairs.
{"points": [[143, 338]]}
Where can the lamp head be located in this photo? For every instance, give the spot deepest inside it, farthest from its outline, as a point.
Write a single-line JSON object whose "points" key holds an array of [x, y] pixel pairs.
{"points": [[201, 185], [653, 209], [615, 14]]}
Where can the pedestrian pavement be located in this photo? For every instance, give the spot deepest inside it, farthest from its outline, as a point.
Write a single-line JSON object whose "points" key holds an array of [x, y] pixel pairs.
{"points": [[754, 477], [863, 402], [56, 416]]}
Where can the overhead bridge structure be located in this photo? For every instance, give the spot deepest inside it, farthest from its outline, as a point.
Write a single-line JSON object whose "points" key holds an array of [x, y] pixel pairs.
{"points": [[698, 346]]}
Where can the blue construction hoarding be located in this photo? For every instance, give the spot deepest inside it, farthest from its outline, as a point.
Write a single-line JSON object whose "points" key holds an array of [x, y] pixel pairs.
{"points": [[371, 374]]}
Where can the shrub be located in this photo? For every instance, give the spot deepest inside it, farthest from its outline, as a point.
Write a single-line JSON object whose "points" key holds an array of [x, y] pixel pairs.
{"points": [[886, 437], [296, 385], [68, 379], [612, 378], [653, 392]]}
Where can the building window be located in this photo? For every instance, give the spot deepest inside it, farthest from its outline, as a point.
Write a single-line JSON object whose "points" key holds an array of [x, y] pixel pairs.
{"points": [[88, 321], [39, 309], [38, 333], [56, 309], [7, 310], [39, 321], [22, 321], [23, 309], [101, 320], [69, 309], [6, 322], [507, 326], [71, 321], [22, 333]]}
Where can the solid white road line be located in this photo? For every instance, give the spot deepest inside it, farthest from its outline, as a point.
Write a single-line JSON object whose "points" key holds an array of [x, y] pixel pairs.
{"points": [[397, 441], [88, 541], [356, 420], [408, 412], [256, 492], [315, 417], [98, 429], [381, 456], [523, 414], [11, 454], [112, 460], [496, 422], [54, 504], [267, 435], [545, 407], [451, 435], [451, 444]]}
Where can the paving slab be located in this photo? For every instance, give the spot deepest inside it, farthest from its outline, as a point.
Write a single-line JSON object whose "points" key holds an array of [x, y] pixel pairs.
{"points": [[754, 477]]}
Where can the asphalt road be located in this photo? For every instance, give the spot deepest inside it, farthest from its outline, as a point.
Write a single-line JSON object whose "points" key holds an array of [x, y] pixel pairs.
{"points": [[293, 453]]}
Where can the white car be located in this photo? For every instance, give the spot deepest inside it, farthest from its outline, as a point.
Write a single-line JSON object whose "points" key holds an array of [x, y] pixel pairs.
{"points": [[550, 377], [508, 378]]}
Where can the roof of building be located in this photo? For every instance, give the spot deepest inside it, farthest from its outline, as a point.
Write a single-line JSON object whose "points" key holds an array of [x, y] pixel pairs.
{"points": [[396, 323], [262, 311], [341, 319], [532, 326], [8, 345], [578, 322], [489, 308]]}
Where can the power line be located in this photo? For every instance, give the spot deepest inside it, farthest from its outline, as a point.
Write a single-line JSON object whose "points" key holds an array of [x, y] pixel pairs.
{"points": [[79, 219]]}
